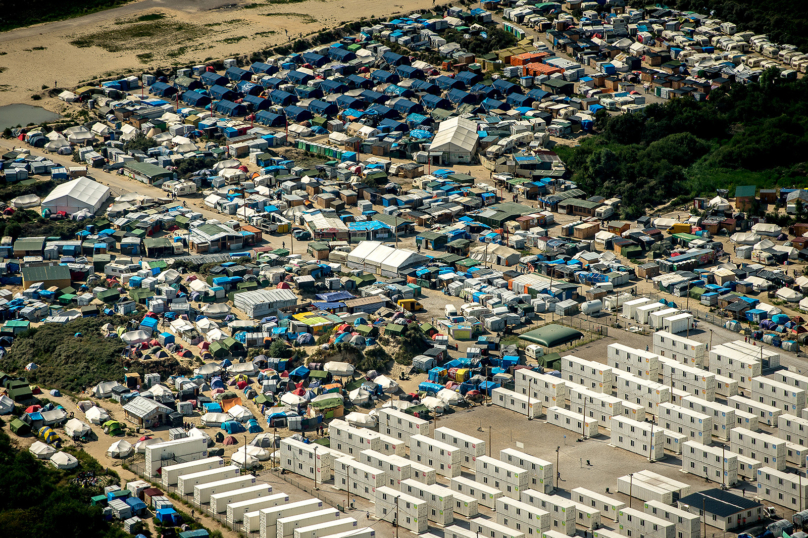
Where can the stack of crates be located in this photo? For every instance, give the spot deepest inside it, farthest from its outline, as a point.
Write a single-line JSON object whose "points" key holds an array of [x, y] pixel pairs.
{"points": [[522, 517], [781, 488], [723, 416], [547, 389], [764, 412], [236, 511], [311, 460], [695, 381], [709, 462], [508, 478], [203, 493], [395, 468], [647, 393], [187, 483], [286, 525], [592, 375], [680, 349], [469, 447], [780, 395], [488, 527], [352, 440], [595, 405], [636, 362], [763, 447], [399, 425]]}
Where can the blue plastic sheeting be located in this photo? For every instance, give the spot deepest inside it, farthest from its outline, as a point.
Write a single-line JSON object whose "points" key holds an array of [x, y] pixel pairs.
{"points": [[433, 388], [335, 296]]}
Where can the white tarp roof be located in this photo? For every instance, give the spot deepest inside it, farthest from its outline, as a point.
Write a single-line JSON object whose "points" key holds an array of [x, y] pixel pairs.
{"points": [[26, 201], [719, 203], [81, 193], [449, 397], [763, 245], [401, 258], [388, 385], [104, 389], [6, 405], [216, 418], [747, 238], [792, 252], [76, 428], [63, 460], [120, 449], [361, 420], [97, 415], [340, 369], [240, 413], [787, 294], [135, 337], [41, 450], [455, 135], [766, 228], [359, 396], [362, 251], [804, 304]]}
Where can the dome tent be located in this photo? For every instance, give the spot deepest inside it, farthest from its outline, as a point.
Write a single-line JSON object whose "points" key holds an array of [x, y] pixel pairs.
{"points": [[76, 429], [42, 451], [63, 460], [97, 415], [119, 449]]}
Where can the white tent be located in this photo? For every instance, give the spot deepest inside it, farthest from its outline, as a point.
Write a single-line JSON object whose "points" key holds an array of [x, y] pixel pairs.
{"points": [[135, 337], [104, 389], [292, 399], [26, 201], [119, 449], [747, 238], [6, 405], [721, 204], [449, 397], [804, 304], [767, 228], [433, 404], [388, 385], [240, 413], [263, 440], [361, 420], [663, 223], [457, 139], [359, 396], [96, 415], [63, 460], [763, 245], [246, 368], [140, 446], [81, 193], [339, 369], [792, 252], [787, 294], [78, 135], [209, 369], [216, 310], [216, 419], [196, 432], [68, 96], [75, 428], [497, 254], [42, 451], [240, 458]]}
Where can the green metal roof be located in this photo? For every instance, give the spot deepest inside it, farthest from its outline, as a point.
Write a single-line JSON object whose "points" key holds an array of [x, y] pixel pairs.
{"points": [[552, 335], [745, 191], [147, 169], [47, 272]]}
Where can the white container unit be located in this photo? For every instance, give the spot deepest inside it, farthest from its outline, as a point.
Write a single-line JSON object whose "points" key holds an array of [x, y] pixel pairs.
{"points": [[411, 512], [644, 392], [764, 412], [395, 468], [632, 522], [735, 364], [633, 411], [522, 516], [399, 425], [485, 495], [423, 473], [508, 478], [712, 463], [454, 531], [171, 473], [514, 401], [793, 429], [795, 454], [767, 357], [780, 395], [470, 447], [680, 348], [677, 324], [638, 437], [784, 489], [723, 415], [220, 501], [748, 468], [695, 381], [596, 405], [657, 319], [236, 511], [547, 389], [286, 525], [308, 459], [357, 478], [674, 441], [592, 375], [465, 505], [327, 528], [643, 313], [636, 362], [439, 500], [443, 457], [352, 440], [187, 449], [687, 525], [647, 485], [608, 506], [540, 473], [697, 426], [203, 492], [187, 483], [725, 386], [791, 378], [630, 307], [606, 533], [746, 420], [563, 512], [588, 517], [492, 529], [569, 420], [268, 517], [364, 532], [678, 396], [763, 447]]}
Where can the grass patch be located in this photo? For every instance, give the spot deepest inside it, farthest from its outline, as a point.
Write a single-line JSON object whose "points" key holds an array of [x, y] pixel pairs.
{"points": [[177, 53], [3, 69], [28, 13], [233, 21], [264, 34], [153, 35], [39, 48], [303, 16], [143, 18], [146, 57], [231, 40], [4, 87]]}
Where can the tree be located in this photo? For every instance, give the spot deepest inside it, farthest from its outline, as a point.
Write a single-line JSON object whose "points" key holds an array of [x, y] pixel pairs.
{"points": [[280, 350], [140, 142]]}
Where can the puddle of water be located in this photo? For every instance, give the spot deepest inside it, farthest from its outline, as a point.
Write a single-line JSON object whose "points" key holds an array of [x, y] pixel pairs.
{"points": [[19, 114]]}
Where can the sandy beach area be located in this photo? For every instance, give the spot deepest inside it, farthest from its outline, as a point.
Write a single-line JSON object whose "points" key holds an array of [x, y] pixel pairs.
{"points": [[149, 34]]}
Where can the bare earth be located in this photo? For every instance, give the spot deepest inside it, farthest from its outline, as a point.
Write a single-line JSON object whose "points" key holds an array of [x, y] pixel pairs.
{"points": [[204, 29]]}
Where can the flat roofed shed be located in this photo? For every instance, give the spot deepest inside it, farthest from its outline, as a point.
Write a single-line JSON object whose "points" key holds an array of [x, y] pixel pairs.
{"points": [[552, 335]]}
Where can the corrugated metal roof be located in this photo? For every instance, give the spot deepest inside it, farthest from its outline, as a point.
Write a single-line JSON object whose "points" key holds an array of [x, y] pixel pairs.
{"points": [[250, 298]]}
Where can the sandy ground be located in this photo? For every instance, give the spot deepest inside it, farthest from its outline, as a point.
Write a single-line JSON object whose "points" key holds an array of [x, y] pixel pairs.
{"points": [[215, 29]]}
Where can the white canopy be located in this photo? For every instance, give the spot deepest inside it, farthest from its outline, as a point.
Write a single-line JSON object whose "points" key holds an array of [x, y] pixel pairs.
{"points": [[449, 397], [42, 450], [292, 399], [6, 405], [119, 449], [134, 337], [721, 204], [361, 420], [433, 404], [63, 460], [240, 458], [339, 369], [209, 369], [81, 193], [246, 368], [388, 385], [216, 310], [104, 389], [196, 432], [96, 415], [26, 201], [76, 428], [359, 396], [140, 446], [240, 413], [804, 304], [746, 238], [215, 419], [763, 245], [788, 294], [766, 228]]}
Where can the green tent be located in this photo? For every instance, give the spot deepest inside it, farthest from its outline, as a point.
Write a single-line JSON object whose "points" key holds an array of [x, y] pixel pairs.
{"points": [[19, 427], [217, 349], [262, 400], [113, 427]]}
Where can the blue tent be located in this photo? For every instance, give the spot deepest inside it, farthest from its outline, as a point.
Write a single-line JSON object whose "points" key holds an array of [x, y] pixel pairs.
{"points": [[341, 55], [345, 101], [486, 90], [408, 71], [297, 114], [382, 111], [253, 427], [424, 86], [210, 79], [266, 69], [213, 407], [468, 78], [518, 100], [270, 119], [369, 96], [405, 106], [314, 59], [355, 81], [492, 104], [449, 83], [460, 97], [333, 86], [298, 77], [537, 94], [231, 427], [394, 59], [301, 372], [248, 88], [433, 101], [271, 83], [506, 87], [282, 98], [236, 73], [393, 125], [258, 103], [196, 99], [229, 108], [162, 89], [221, 92], [322, 108], [168, 517], [216, 383], [384, 77]]}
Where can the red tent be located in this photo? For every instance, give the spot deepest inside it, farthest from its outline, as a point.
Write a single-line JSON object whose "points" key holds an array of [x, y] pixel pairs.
{"points": [[242, 384], [145, 438], [34, 409], [299, 392], [230, 440], [284, 374], [284, 286]]}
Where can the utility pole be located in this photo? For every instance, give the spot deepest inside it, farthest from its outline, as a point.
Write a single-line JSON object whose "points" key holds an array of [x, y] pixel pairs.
{"points": [[651, 449], [315, 466], [245, 453], [583, 422], [529, 388], [703, 517], [489, 441], [723, 467], [558, 473], [396, 525], [630, 488]]}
